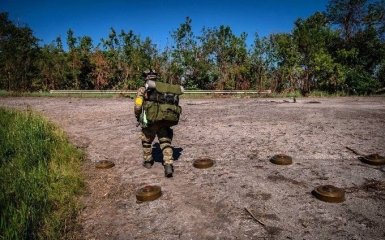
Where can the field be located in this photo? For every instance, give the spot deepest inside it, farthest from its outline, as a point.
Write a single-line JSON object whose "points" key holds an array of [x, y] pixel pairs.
{"points": [[240, 135]]}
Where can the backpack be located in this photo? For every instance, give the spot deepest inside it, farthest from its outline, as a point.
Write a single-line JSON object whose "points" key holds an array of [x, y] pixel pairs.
{"points": [[161, 104]]}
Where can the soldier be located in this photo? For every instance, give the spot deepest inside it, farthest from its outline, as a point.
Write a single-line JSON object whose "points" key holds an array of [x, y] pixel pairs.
{"points": [[156, 109]]}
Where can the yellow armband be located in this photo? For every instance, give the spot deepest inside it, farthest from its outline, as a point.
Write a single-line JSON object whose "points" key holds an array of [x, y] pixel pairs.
{"points": [[139, 101]]}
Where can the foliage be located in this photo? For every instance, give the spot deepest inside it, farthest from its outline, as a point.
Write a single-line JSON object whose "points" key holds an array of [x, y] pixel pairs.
{"points": [[40, 175], [18, 48], [337, 50], [360, 82]]}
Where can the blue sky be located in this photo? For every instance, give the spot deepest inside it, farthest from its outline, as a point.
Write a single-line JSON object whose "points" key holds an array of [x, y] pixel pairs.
{"points": [[155, 18]]}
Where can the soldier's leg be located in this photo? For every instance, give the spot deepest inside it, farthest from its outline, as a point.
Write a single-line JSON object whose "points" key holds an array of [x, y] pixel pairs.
{"points": [[147, 136], [165, 138], [165, 135]]}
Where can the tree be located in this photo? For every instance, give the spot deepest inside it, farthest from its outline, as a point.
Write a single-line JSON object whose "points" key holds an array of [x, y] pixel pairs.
{"points": [[86, 67], [137, 56], [260, 62], [19, 51], [101, 71], [380, 74], [375, 17], [348, 14], [315, 39], [288, 59], [362, 48], [184, 54], [113, 53], [72, 78], [52, 67], [228, 54]]}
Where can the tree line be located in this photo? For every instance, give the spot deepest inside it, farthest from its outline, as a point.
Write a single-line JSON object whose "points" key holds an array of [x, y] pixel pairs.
{"points": [[339, 50]]}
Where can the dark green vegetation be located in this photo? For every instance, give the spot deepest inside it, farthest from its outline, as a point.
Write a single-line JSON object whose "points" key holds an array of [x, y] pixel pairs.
{"points": [[338, 51], [39, 175]]}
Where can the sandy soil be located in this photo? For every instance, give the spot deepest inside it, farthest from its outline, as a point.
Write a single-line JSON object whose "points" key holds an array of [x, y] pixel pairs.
{"points": [[241, 135]]}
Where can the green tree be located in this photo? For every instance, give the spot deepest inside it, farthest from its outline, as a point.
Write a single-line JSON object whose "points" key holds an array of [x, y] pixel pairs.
{"points": [[261, 59], [74, 65], [19, 52], [136, 56], [228, 54], [85, 77], [348, 14], [380, 74], [184, 55], [288, 59], [362, 48], [112, 51], [52, 67], [314, 39], [375, 17]]}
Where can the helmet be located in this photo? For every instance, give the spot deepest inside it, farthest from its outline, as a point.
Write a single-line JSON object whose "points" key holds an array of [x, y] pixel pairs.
{"points": [[150, 75]]}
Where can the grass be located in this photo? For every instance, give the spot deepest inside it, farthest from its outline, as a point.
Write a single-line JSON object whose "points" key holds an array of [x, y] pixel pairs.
{"points": [[40, 178]]}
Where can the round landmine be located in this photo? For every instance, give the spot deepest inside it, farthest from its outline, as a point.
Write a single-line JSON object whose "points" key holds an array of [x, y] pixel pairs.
{"points": [[281, 159], [373, 159], [203, 163], [148, 193], [104, 164], [329, 193]]}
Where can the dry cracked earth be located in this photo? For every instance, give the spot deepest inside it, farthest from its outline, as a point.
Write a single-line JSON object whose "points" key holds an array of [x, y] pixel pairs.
{"points": [[240, 135]]}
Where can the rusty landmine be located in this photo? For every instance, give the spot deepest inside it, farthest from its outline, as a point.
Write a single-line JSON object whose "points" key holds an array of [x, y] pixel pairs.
{"points": [[281, 159], [104, 164], [373, 159], [203, 163], [148, 193], [329, 193]]}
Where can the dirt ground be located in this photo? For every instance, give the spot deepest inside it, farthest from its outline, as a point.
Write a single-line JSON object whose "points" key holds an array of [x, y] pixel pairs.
{"points": [[240, 135]]}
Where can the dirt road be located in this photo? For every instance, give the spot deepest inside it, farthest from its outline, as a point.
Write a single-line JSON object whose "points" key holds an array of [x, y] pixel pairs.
{"points": [[241, 135]]}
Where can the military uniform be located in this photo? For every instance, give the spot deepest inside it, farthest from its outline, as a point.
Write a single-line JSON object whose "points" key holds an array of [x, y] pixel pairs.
{"points": [[152, 130], [149, 133]]}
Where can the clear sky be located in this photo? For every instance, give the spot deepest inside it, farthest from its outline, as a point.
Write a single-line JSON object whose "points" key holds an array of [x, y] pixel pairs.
{"points": [[156, 18]]}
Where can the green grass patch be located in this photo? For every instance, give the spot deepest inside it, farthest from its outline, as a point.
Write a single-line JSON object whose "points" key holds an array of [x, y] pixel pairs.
{"points": [[40, 175]]}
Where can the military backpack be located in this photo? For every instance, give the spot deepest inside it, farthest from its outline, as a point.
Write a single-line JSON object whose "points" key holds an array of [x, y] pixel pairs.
{"points": [[161, 104]]}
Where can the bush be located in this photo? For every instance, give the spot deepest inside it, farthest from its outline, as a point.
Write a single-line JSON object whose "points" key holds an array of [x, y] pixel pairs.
{"points": [[360, 82]]}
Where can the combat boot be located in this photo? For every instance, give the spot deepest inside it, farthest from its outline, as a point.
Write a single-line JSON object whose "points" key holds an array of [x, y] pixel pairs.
{"points": [[148, 164], [168, 170]]}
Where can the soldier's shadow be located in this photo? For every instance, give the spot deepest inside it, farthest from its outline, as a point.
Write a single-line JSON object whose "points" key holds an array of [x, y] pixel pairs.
{"points": [[158, 155]]}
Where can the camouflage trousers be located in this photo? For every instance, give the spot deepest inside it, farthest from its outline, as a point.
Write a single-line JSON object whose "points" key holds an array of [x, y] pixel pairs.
{"points": [[164, 135]]}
